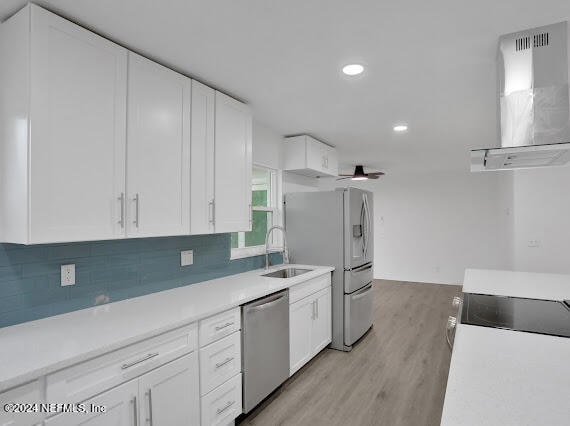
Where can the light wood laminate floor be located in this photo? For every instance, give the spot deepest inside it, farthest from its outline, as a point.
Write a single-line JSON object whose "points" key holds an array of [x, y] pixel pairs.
{"points": [[395, 376]]}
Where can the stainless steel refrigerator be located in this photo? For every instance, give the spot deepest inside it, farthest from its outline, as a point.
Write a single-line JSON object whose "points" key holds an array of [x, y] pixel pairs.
{"points": [[336, 228]]}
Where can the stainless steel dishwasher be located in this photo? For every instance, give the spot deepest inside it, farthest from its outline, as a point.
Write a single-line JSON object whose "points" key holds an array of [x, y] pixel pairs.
{"points": [[265, 347]]}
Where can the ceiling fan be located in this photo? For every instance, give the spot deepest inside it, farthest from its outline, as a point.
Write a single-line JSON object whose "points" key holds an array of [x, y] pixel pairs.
{"points": [[360, 175]]}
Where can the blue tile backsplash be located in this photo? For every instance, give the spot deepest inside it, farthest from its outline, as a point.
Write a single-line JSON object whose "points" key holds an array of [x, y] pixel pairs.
{"points": [[107, 271]]}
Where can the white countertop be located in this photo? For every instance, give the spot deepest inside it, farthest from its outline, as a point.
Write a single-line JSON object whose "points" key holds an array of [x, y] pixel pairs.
{"points": [[36, 348], [503, 378], [518, 284]]}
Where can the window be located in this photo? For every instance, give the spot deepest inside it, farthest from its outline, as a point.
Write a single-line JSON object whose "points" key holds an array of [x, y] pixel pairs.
{"points": [[265, 214]]}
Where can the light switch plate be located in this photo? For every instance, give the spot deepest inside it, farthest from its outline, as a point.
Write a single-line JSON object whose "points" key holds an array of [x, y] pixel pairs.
{"points": [[186, 257], [67, 274]]}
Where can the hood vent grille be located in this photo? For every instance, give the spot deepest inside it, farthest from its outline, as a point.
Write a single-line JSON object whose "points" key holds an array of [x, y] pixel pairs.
{"points": [[523, 43], [541, 40]]}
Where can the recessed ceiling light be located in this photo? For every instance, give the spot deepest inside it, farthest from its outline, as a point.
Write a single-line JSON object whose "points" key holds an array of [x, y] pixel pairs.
{"points": [[352, 69], [400, 128]]}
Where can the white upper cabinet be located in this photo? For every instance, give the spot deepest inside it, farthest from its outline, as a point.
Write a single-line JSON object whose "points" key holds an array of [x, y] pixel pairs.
{"points": [[158, 150], [64, 152], [307, 156], [202, 159], [99, 143], [221, 162], [233, 162]]}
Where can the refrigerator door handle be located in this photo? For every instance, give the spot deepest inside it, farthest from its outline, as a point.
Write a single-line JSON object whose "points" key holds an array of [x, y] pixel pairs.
{"points": [[363, 292], [361, 268], [362, 227], [368, 224]]}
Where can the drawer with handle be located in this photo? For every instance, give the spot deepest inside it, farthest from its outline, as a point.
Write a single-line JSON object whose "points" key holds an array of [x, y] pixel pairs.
{"points": [[218, 326], [219, 361], [223, 404], [89, 378]]}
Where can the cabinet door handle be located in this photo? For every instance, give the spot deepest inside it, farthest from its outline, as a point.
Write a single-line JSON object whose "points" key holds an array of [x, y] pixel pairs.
{"points": [[221, 327], [135, 411], [224, 362], [138, 361], [313, 308], [228, 405], [317, 307], [122, 200], [250, 214], [211, 211], [149, 418], [137, 205], [362, 293]]}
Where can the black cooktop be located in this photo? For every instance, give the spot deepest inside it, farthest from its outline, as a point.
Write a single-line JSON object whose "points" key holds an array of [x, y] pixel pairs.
{"points": [[515, 313]]}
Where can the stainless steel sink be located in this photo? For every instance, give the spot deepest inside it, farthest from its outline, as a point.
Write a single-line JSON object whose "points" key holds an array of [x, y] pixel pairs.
{"points": [[286, 273]]}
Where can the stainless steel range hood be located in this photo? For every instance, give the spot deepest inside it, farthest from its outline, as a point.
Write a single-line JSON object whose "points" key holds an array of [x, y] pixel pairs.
{"points": [[533, 101]]}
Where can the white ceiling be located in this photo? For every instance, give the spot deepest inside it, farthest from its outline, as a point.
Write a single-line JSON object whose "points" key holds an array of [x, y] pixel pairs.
{"points": [[428, 63]]}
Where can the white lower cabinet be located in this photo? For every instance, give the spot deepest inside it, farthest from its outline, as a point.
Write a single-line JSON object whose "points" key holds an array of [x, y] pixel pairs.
{"points": [[82, 381], [28, 393], [168, 395], [121, 408], [220, 361], [322, 323], [220, 368], [310, 327], [300, 330], [223, 404]]}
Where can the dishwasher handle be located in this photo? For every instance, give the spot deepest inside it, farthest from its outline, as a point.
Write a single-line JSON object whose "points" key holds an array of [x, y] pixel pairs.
{"points": [[266, 302]]}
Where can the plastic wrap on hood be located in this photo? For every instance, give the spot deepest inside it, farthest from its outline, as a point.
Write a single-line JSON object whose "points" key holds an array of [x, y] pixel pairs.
{"points": [[517, 118], [551, 115], [535, 117]]}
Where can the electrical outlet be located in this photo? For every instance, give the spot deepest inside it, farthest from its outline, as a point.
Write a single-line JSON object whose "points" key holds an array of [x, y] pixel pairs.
{"points": [[534, 243], [186, 257], [67, 274]]}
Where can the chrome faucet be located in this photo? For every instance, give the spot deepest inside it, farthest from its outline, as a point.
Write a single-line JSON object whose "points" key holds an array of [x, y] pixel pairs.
{"points": [[285, 251]]}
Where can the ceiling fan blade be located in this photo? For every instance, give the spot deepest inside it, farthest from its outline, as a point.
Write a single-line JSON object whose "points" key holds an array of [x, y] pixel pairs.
{"points": [[359, 173]]}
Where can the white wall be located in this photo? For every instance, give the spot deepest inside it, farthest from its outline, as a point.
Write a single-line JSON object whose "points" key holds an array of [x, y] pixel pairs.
{"points": [[541, 199], [267, 146], [298, 183], [430, 227]]}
